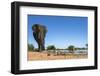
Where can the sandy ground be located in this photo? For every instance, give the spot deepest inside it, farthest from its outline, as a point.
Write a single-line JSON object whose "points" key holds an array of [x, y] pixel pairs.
{"points": [[44, 56]]}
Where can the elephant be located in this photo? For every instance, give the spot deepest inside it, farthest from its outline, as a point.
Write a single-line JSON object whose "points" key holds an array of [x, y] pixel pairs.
{"points": [[39, 33]]}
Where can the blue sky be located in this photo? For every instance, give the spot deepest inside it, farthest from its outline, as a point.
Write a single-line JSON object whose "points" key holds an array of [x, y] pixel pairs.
{"points": [[62, 30]]}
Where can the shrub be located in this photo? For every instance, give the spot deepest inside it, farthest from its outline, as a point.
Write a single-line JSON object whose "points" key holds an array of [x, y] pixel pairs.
{"points": [[51, 47], [71, 49], [30, 47]]}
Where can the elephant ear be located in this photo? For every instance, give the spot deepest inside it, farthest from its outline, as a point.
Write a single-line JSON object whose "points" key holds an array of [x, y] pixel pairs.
{"points": [[34, 27], [45, 29]]}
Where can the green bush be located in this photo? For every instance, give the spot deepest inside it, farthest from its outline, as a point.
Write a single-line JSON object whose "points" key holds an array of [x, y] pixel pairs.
{"points": [[71, 49], [51, 47], [30, 47]]}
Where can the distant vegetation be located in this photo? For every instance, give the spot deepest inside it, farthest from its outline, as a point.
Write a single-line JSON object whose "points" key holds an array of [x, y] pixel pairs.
{"points": [[30, 47], [71, 48], [83, 48], [86, 46], [36, 49], [51, 47]]}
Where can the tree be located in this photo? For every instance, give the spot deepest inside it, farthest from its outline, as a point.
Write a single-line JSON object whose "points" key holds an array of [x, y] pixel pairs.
{"points": [[86, 46], [51, 47], [71, 48], [30, 47]]}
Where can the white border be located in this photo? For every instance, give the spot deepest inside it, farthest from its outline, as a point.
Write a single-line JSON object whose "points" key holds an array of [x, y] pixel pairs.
{"points": [[26, 65]]}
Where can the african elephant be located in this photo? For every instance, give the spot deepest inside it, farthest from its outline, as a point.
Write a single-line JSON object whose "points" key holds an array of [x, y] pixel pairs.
{"points": [[39, 33]]}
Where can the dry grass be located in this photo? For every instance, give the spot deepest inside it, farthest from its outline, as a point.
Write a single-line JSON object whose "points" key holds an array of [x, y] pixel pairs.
{"points": [[44, 56]]}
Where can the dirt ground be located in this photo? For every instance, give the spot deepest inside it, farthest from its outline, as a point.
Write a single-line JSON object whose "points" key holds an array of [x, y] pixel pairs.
{"points": [[46, 56]]}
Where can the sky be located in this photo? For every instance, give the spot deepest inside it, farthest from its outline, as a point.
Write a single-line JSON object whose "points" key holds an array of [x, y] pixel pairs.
{"points": [[62, 30]]}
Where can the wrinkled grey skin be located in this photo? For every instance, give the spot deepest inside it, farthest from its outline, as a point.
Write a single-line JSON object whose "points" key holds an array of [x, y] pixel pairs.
{"points": [[39, 33]]}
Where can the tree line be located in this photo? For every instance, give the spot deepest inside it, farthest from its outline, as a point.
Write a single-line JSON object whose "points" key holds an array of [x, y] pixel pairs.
{"points": [[71, 48]]}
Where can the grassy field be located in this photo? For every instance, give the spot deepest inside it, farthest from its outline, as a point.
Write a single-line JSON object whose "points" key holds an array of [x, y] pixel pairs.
{"points": [[46, 56]]}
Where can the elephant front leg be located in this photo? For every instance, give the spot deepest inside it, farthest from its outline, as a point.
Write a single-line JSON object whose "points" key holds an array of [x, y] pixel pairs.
{"points": [[43, 47], [39, 47]]}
